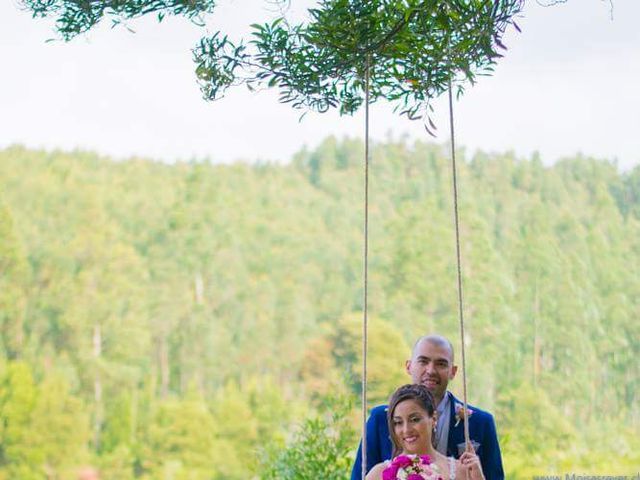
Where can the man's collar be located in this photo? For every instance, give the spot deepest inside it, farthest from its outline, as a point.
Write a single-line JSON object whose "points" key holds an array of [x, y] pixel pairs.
{"points": [[440, 408]]}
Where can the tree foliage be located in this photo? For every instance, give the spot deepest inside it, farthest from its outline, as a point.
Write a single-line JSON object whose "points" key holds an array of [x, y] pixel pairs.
{"points": [[319, 448], [413, 50], [228, 303], [74, 17]]}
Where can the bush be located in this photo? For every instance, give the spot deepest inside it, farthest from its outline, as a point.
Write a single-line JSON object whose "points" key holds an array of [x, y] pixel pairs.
{"points": [[322, 448]]}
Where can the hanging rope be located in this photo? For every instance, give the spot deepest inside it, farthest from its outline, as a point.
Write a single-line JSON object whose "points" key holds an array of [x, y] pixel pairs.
{"points": [[366, 271], [366, 267], [459, 269]]}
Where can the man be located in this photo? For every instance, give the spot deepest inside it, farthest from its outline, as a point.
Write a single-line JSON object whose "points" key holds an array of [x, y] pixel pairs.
{"points": [[431, 365]]}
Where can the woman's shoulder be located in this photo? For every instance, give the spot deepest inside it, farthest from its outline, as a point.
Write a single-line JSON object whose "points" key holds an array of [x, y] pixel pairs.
{"points": [[445, 466]]}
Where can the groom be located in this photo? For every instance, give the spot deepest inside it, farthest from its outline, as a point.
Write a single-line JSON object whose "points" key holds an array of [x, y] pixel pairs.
{"points": [[431, 365]]}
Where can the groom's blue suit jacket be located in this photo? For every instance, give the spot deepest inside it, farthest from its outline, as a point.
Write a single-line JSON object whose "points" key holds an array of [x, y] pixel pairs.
{"points": [[482, 430]]}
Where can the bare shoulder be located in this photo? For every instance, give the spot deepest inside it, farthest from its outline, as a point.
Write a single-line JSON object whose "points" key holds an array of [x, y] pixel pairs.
{"points": [[376, 472], [442, 462]]}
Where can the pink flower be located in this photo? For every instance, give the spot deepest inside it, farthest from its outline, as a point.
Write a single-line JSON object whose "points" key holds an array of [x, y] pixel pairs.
{"points": [[402, 461], [411, 467], [390, 472]]}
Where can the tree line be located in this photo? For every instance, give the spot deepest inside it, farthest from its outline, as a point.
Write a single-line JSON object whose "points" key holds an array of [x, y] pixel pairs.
{"points": [[189, 320]]}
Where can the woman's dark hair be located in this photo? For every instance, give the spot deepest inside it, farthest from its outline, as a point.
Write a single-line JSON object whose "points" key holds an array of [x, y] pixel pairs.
{"points": [[420, 394]]}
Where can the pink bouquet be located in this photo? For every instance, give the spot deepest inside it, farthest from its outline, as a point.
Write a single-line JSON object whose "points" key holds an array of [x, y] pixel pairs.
{"points": [[412, 467]]}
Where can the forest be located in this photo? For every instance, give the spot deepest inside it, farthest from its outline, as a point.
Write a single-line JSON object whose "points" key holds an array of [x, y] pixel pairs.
{"points": [[202, 321]]}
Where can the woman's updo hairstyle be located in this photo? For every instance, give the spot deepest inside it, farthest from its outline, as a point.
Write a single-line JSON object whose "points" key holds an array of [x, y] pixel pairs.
{"points": [[416, 392]]}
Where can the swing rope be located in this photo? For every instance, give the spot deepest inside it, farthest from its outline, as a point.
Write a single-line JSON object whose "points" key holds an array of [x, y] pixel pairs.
{"points": [[366, 266], [366, 271], [459, 268]]}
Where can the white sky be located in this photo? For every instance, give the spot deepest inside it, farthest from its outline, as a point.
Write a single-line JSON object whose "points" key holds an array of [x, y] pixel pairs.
{"points": [[569, 83]]}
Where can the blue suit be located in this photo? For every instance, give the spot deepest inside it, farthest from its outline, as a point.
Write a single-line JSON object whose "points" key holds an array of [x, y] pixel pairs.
{"points": [[482, 429]]}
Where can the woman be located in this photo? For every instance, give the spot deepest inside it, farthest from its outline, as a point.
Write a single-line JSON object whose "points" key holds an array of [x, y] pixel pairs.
{"points": [[411, 417]]}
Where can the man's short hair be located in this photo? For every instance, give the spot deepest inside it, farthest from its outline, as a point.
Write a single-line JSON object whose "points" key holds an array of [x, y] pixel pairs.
{"points": [[434, 339]]}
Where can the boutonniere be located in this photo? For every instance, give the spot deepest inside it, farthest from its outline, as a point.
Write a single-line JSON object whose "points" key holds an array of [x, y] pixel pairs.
{"points": [[460, 413]]}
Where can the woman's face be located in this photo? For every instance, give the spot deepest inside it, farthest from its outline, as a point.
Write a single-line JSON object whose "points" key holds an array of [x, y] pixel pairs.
{"points": [[412, 427]]}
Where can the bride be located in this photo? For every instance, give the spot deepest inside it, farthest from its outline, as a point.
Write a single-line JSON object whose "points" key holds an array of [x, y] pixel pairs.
{"points": [[411, 418]]}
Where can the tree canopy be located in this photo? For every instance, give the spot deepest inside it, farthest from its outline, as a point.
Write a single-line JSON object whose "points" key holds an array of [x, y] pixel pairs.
{"points": [[412, 49]]}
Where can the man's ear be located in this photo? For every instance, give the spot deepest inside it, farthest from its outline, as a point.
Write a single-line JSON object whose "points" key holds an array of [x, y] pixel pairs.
{"points": [[407, 366], [454, 370]]}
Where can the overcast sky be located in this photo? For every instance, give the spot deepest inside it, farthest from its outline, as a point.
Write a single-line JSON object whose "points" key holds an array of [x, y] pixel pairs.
{"points": [[570, 83]]}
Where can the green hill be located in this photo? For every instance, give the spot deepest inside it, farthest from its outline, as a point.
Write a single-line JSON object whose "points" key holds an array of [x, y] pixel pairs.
{"points": [[170, 321]]}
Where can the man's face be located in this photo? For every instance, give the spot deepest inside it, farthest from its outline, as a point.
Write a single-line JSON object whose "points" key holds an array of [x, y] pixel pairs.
{"points": [[432, 366]]}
